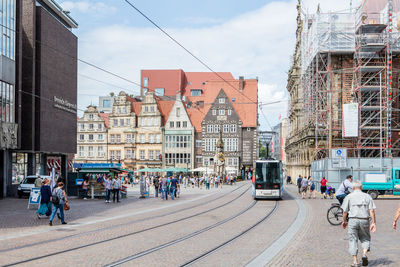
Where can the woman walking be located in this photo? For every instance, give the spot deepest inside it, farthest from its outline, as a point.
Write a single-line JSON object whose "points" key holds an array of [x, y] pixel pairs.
{"points": [[323, 186], [45, 204], [59, 198], [311, 187], [107, 184], [85, 186]]}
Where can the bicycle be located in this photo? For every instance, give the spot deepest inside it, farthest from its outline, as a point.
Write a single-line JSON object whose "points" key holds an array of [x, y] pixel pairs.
{"points": [[335, 214]]}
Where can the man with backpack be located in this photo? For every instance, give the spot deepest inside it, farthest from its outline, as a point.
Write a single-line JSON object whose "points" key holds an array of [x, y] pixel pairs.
{"points": [[344, 187], [58, 198]]}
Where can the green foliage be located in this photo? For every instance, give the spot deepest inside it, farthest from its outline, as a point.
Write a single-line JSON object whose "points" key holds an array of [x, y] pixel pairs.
{"points": [[262, 151]]}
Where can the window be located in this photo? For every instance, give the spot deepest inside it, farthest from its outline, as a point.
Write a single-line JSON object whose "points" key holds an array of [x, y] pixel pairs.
{"points": [[229, 112], [115, 122], [142, 138], [199, 159], [151, 154], [128, 138], [146, 109], [128, 122], [214, 112], [118, 136], [151, 109], [158, 138], [133, 154], [248, 129], [90, 136], [178, 112], [199, 143], [151, 138], [226, 128], [118, 154], [106, 103], [99, 126], [82, 126], [171, 124], [99, 137], [209, 128], [81, 137], [222, 100], [81, 151], [233, 128], [91, 126], [100, 151], [178, 124], [233, 99], [235, 162], [144, 91], [158, 153], [90, 151], [124, 110], [145, 82], [184, 124], [119, 110], [90, 116], [128, 154], [149, 121], [121, 122], [112, 154], [229, 162], [222, 112], [112, 138], [217, 128], [159, 91], [142, 154], [196, 92], [141, 121], [205, 162]]}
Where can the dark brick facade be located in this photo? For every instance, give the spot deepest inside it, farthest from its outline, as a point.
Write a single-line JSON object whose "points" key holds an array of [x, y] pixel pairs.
{"points": [[49, 69]]}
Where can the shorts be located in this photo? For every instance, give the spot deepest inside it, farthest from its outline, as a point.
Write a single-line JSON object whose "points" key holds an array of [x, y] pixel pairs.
{"points": [[323, 189], [303, 189]]}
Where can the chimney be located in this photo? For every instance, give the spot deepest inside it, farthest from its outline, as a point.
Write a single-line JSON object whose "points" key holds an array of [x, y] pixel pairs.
{"points": [[241, 83]]}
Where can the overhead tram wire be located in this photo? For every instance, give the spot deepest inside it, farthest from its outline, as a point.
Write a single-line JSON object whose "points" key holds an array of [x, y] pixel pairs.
{"points": [[187, 50]]}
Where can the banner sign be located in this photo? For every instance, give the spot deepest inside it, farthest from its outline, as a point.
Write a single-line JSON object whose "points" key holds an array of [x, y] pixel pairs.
{"points": [[97, 165], [34, 197], [350, 120]]}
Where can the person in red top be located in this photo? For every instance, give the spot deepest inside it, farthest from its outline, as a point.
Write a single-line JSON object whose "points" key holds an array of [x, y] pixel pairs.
{"points": [[323, 186]]}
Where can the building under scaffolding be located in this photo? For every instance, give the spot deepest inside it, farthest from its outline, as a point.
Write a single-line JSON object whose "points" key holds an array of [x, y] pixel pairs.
{"points": [[344, 85]]}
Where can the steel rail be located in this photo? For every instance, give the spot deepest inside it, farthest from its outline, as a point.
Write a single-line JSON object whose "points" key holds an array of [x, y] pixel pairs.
{"points": [[128, 234], [211, 251]]}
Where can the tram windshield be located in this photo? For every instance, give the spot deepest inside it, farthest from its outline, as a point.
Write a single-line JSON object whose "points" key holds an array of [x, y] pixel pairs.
{"points": [[268, 172]]}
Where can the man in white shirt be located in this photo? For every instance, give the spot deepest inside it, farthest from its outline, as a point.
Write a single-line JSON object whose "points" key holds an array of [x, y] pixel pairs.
{"points": [[344, 187]]}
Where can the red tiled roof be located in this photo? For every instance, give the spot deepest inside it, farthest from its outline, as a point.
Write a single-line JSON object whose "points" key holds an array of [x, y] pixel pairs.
{"points": [[136, 107], [195, 80], [165, 106], [171, 80], [104, 116], [245, 103]]}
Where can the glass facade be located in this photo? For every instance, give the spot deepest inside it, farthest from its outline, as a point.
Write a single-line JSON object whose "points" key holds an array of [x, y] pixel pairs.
{"points": [[7, 13], [7, 102]]}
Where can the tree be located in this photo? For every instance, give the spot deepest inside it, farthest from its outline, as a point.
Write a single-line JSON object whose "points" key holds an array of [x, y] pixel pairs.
{"points": [[262, 151]]}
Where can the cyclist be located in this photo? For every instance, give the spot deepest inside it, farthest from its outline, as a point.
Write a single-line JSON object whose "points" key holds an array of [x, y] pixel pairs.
{"points": [[344, 187]]}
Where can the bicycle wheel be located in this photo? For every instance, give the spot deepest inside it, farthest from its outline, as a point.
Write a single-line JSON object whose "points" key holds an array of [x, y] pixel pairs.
{"points": [[335, 215]]}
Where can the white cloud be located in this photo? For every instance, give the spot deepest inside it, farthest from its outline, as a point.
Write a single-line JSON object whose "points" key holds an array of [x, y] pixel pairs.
{"points": [[95, 7], [258, 43], [199, 20]]}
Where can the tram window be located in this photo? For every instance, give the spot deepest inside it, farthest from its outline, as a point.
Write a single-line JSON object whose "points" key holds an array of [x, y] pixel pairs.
{"points": [[267, 172]]}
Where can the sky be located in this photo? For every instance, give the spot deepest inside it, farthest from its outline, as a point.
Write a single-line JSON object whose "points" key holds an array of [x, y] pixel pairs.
{"points": [[254, 38]]}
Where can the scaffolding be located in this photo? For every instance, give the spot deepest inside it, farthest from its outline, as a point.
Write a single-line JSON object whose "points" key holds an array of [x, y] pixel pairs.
{"points": [[349, 58]]}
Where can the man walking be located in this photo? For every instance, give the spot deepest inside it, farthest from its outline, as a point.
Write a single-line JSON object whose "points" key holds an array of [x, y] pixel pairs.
{"points": [[174, 185], [299, 182], [156, 183], [164, 187], [116, 187], [359, 207]]}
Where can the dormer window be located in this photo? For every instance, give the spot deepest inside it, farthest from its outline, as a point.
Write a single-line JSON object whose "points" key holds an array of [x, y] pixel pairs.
{"points": [[222, 100], [91, 116]]}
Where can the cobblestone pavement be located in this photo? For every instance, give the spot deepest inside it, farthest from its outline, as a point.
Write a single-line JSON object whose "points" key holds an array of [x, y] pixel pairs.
{"points": [[320, 244], [99, 234]]}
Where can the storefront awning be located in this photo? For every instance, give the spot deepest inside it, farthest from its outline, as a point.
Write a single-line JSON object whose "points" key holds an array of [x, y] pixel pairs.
{"points": [[99, 170]]}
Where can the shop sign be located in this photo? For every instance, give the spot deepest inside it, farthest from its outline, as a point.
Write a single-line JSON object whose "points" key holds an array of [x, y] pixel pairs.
{"points": [[34, 197], [63, 104]]}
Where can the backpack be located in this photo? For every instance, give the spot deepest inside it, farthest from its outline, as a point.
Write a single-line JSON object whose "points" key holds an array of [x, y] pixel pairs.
{"points": [[54, 197], [312, 187]]}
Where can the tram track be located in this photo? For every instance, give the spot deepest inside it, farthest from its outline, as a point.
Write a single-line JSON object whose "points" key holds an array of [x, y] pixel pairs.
{"points": [[119, 225], [216, 248], [132, 233], [186, 237]]}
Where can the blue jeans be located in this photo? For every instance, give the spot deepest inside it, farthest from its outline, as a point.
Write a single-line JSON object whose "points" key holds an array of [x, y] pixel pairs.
{"points": [[84, 193], [108, 194], [61, 208], [164, 191], [173, 189], [340, 198]]}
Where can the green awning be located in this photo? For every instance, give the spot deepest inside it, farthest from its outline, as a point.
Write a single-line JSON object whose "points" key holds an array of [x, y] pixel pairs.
{"points": [[150, 170], [95, 170]]}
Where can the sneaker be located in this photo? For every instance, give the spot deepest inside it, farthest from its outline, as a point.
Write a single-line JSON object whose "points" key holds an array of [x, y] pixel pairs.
{"points": [[84, 198], [63, 223], [50, 223], [364, 261], [38, 216]]}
